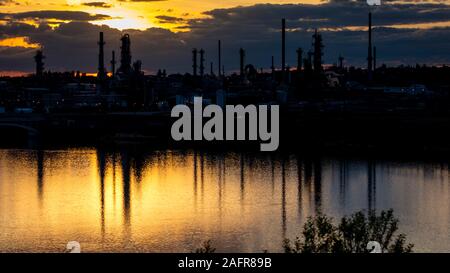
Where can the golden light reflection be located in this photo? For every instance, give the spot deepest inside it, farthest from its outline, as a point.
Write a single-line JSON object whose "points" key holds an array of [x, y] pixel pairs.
{"points": [[170, 201], [422, 25]]}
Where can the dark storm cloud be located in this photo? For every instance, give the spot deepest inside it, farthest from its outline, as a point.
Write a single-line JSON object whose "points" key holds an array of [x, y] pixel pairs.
{"points": [[73, 46], [415, 1], [334, 14], [257, 29], [55, 14], [164, 19], [17, 58], [254, 28], [98, 4], [19, 29]]}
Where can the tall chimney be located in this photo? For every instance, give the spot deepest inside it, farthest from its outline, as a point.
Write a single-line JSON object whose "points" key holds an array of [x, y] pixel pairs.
{"points": [[212, 69], [113, 63], [194, 61], [374, 58], [299, 59], [101, 58], [202, 62], [283, 47], [38, 58], [220, 57], [341, 62], [125, 55], [242, 61], [308, 62], [369, 55], [273, 66], [318, 52]]}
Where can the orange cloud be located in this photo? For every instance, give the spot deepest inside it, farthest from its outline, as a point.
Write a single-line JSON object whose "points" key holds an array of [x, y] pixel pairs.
{"points": [[23, 42]]}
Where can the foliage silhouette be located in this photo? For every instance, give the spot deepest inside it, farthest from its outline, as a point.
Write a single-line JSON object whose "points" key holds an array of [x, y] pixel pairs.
{"points": [[353, 233]]}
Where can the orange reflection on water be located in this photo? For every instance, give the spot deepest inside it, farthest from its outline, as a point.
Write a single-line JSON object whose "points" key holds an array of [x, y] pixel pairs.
{"points": [[171, 201]]}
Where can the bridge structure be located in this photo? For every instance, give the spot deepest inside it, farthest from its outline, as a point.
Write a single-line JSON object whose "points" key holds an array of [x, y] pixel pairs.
{"points": [[30, 130], [70, 127], [20, 128]]}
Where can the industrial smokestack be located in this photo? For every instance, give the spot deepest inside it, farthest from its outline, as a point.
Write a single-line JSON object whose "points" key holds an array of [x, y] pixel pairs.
{"points": [[341, 62], [242, 61], [212, 69], [318, 51], [374, 58], [308, 62], [369, 55], [38, 58], [113, 63], [288, 73], [101, 58], [125, 55], [299, 59], [283, 47], [220, 57], [273, 66], [137, 67], [194, 61], [202, 62]]}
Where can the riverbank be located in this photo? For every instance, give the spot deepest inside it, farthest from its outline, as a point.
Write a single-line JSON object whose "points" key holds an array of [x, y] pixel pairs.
{"points": [[408, 132]]}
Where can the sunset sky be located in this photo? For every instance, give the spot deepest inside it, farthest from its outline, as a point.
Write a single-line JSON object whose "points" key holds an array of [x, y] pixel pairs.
{"points": [[136, 14], [164, 31]]}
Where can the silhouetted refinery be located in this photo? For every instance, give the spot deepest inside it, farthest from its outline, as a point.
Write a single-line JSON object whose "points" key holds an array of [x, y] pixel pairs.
{"points": [[323, 106]]}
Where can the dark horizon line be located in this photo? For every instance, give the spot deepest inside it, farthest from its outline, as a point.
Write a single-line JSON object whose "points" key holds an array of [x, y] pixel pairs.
{"points": [[230, 72]]}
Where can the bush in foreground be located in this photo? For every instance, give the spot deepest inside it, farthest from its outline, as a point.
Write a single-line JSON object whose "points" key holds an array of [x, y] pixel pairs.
{"points": [[321, 235]]}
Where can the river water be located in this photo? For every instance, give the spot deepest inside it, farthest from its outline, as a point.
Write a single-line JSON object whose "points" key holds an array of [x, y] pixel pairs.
{"points": [[172, 201]]}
